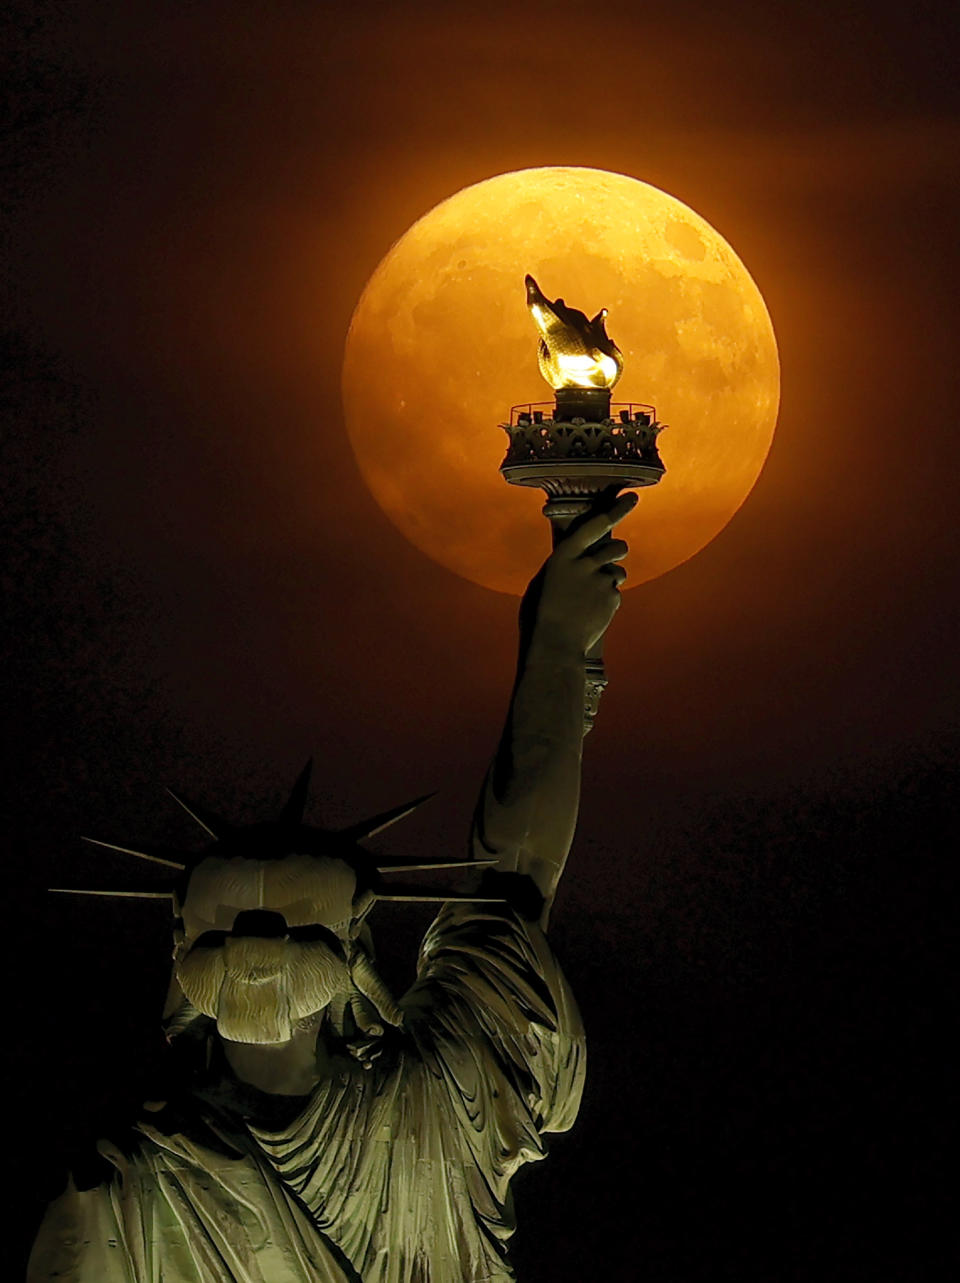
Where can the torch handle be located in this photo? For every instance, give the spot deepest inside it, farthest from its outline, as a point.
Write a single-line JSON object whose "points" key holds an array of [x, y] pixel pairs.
{"points": [[561, 512]]}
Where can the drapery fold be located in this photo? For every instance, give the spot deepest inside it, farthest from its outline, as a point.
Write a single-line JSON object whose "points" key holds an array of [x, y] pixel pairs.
{"points": [[397, 1174]]}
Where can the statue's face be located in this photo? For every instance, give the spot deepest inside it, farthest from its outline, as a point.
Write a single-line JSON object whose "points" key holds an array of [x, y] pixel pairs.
{"points": [[263, 941]]}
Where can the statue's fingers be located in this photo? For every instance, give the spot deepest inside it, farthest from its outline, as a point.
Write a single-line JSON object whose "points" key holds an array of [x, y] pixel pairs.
{"points": [[367, 1052], [609, 550], [583, 535], [614, 572]]}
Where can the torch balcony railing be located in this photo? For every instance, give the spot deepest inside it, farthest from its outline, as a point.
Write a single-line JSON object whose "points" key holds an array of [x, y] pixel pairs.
{"points": [[625, 411]]}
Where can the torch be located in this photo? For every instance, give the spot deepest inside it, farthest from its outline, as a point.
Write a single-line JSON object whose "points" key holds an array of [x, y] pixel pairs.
{"points": [[581, 444]]}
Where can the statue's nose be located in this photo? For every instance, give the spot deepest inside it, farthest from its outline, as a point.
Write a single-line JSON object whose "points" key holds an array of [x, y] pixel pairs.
{"points": [[264, 923]]}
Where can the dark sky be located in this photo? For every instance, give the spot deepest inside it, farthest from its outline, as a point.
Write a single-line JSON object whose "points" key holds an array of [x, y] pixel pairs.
{"points": [[200, 591]]}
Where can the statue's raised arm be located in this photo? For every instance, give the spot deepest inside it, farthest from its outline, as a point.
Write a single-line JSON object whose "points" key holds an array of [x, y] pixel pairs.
{"points": [[314, 1128], [527, 812]]}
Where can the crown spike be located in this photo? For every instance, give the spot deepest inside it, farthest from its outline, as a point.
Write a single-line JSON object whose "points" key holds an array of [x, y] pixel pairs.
{"points": [[292, 814], [410, 898], [138, 852], [377, 823], [217, 828], [415, 865], [410, 891], [126, 895]]}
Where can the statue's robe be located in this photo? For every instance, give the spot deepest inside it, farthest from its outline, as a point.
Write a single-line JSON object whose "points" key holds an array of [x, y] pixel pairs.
{"points": [[396, 1174]]}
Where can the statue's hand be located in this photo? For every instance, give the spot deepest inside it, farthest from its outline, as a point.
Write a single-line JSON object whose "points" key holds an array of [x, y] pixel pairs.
{"points": [[571, 601]]}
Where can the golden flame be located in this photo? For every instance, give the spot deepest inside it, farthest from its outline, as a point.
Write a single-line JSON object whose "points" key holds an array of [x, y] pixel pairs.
{"points": [[574, 352]]}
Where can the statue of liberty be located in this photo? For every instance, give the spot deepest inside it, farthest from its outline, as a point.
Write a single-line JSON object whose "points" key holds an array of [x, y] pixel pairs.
{"points": [[324, 1131]]}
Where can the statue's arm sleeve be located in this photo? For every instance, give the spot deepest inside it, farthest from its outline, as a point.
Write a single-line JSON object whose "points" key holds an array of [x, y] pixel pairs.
{"points": [[527, 810], [503, 1022]]}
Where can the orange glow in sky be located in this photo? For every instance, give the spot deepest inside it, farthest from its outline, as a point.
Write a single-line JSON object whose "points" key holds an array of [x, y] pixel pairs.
{"points": [[441, 345]]}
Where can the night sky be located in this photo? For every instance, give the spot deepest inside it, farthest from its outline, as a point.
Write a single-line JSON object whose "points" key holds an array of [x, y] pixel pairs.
{"points": [[200, 592]]}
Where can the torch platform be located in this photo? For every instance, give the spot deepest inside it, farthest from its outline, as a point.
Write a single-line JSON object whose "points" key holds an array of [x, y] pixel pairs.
{"points": [[578, 457]]}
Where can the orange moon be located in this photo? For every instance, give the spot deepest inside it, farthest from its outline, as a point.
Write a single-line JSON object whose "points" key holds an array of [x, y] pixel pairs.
{"points": [[441, 345]]}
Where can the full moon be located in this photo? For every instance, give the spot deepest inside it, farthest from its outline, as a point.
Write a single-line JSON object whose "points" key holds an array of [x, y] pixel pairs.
{"points": [[441, 345]]}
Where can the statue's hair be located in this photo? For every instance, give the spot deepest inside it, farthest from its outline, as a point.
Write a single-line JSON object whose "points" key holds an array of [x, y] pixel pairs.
{"points": [[352, 1020]]}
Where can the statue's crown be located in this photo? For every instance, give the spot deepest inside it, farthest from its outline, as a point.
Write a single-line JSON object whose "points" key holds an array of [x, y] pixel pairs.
{"points": [[287, 836]]}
